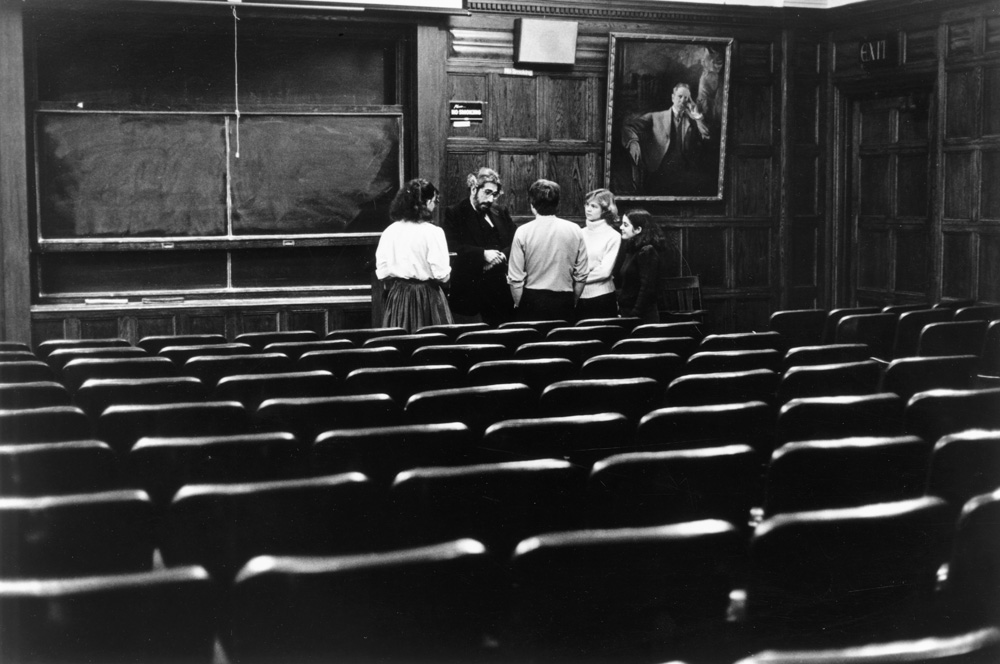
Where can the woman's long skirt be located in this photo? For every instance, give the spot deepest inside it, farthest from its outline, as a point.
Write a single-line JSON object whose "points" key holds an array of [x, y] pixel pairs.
{"points": [[413, 304]]}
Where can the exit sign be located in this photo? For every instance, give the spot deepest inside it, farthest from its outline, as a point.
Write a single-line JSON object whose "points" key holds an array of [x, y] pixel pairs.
{"points": [[878, 52]]}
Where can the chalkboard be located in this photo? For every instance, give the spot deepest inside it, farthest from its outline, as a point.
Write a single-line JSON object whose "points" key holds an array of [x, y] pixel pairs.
{"points": [[104, 175], [124, 175], [314, 174]]}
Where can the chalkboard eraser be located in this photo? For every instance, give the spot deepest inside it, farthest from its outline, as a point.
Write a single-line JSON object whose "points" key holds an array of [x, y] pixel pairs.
{"points": [[161, 300], [106, 300]]}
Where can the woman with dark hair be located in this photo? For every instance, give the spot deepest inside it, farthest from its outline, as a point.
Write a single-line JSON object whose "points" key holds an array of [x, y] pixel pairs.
{"points": [[639, 270], [603, 242], [412, 261]]}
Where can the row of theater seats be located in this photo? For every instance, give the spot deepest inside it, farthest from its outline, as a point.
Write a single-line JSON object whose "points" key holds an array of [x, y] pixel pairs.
{"points": [[598, 584]]}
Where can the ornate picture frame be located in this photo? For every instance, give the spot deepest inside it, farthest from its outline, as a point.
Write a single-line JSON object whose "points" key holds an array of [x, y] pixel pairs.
{"points": [[660, 88]]}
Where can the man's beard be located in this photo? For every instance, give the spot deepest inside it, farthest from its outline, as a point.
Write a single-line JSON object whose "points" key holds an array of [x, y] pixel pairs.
{"points": [[484, 206]]}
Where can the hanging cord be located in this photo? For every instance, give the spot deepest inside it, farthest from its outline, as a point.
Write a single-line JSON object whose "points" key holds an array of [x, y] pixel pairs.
{"points": [[236, 77]]}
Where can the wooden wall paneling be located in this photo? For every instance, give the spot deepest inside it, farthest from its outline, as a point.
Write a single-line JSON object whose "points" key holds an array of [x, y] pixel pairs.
{"points": [[961, 100], [989, 182], [157, 325], [567, 105], [519, 170], [957, 265], [706, 251], [15, 273], [751, 257], [991, 100], [469, 87], [752, 104], [989, 268], [515, 107], [47, 328], [258, 321], [912, 185], [102, 328], [752, 186], [431, 109], [920, 45], [912, 260], [576, 174], [992, 36], [958, 184], [307, 319], [961, 38], [207, 323], [873, 259], [804, 254], [750, 313]]}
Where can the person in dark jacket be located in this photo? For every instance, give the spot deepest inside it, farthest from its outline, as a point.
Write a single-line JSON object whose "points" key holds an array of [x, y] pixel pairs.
{"points": [[479, 234], [638, 276]]}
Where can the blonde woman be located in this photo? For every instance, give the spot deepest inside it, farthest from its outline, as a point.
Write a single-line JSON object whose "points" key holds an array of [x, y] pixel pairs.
{"points": [[603, 242]]}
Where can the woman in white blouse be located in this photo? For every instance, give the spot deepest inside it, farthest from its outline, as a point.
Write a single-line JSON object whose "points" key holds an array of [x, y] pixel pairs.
{"points": [[603, 241], [412, 261]]}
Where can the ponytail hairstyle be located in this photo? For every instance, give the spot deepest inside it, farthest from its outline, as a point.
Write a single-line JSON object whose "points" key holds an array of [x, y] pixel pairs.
{"points": [[609, 211], [650, 234], [410, 203]]}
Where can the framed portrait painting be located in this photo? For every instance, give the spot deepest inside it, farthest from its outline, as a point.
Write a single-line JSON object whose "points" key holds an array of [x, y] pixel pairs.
{"points": [[668, 101]]}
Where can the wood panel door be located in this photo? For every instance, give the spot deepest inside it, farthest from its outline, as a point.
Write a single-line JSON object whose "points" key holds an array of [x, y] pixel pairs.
{"points": [[889, 257]]}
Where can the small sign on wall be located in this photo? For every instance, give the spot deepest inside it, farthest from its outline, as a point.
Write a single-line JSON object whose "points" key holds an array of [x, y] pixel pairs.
{"points": [[465, 113], [879, 52]]}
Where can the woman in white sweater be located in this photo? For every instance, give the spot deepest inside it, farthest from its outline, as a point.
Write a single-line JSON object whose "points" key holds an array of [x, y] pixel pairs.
{"points": [[603, 241], [412, 261]]}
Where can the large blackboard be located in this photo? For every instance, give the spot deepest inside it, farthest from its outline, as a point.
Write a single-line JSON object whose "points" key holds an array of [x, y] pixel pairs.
{"points": [[103, 175]]}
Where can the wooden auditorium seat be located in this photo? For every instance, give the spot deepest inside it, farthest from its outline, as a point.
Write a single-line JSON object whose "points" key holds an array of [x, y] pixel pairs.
{"points": [[498, 504], [45, 348], [401, 383], [653, 488], [833, 317], [632, 397], [658, 330], [734, 360], [407, 343], [27, 371], [903, 308], [909, 326], [608, 334], [342, 362], [210, 369], [819, 418], [476, 407], [989, 359], [60, 357], [867, 572], [973, 582], [48, 424], [461, 356], [221, 526], [952, 338], [154, 344], [381, 452], [76, 534], [509, 337], [295, 349], [845, 472], [361, 335], [536, 373], [164, 615], [744, 341], [429, 604], [258, 340], [37, 394], [179, 355], [307, 417], [723, 387], [627, 322], [50, 469], [680, 346], [978, 646], [876, 331], [253, 389], [964, 465], [801, 327], [661, 367], [577, 352], [684, 427], [8, 346], [541, 326], [18, 354], [937, 413], [453, 330], [580, 439], [828, 354], [161, 465], [121, 426], [906, 376], [97, 394], [987, 312], [78, 371], [829, 380], [649, 594]]}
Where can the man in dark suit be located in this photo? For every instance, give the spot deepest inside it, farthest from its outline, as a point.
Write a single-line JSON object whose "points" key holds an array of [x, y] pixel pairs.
{"points": [[666, 148], [479, 234]]}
